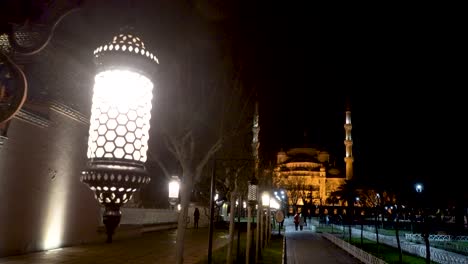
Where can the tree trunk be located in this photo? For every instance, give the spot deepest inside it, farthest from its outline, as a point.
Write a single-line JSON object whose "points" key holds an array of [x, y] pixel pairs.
{"points": [[351, 219], [397, 234], [249, 238], [377, 231], [231, 228], [362, 232], [257, 234], [268, 221], [185, 191], [426, 239]]}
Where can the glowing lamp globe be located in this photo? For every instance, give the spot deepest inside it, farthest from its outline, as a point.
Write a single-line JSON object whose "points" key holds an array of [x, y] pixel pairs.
{"points": [[174, 186], [266, 199], [119, 124]]}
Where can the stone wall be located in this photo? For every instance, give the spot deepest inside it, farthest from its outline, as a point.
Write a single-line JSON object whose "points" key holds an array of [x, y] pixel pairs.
{"points": [[43, 204]]}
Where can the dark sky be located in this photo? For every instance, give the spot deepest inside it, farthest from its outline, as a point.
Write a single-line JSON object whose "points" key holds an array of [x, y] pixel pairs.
{"points": [[400, 67]]}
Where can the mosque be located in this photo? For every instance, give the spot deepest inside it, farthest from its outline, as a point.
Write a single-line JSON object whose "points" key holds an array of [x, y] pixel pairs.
{"points": [[307, 174]]}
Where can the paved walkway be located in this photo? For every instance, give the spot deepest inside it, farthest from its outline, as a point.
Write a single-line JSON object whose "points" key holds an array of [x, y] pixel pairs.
{"points": [[156, 247], [307, 246]]}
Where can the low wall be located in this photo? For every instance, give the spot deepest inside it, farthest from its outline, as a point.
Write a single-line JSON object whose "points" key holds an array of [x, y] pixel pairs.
{"points": [[136, 221], [356, 252], [143, 216], [437, 255]]}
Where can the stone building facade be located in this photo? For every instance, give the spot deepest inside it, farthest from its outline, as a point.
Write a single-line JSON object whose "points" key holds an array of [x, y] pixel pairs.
{"points": [[307, 174]]}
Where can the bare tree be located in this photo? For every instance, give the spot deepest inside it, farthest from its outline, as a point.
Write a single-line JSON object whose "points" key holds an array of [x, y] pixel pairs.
{"points": [[296, 186], [198, 116]]}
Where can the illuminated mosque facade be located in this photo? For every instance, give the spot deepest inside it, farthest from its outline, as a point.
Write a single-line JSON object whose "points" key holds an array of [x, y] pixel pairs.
{"points": [[307, 174]]}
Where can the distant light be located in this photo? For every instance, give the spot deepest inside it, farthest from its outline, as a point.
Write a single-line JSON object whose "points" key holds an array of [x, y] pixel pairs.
{"points": [[174, 186], [274, 204], [300, 201], [419, 187], [265, 199]]}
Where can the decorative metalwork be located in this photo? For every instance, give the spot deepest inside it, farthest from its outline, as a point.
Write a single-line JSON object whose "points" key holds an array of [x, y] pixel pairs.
{"points": [[253, 191], [13, 88], [35, 33]]}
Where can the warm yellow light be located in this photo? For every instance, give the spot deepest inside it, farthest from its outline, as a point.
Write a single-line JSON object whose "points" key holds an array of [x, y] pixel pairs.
{"points": [[274, 204], [300, 201], [265, 199], [54, 222], [120, 115], [174, 186]]}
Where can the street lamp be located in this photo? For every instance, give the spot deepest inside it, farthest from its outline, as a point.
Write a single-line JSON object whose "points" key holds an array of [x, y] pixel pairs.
{"points": [[266, 205], [119, 124], [418, 187], [425, 230], [252, 201], [174, 186]]}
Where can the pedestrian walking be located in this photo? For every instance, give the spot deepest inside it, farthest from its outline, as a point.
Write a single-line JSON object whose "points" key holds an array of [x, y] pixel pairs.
{"points": [[301, 222], [196, 217], [296, 220]]}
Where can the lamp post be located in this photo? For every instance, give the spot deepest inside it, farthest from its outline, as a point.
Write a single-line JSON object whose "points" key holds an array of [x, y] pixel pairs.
{"points": [[174, 186], [252, 201], [425, 230], [120, 122], [266, 205]]}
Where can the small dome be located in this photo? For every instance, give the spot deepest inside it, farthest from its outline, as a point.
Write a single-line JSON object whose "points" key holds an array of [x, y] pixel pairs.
{"points": [[333, 171]]}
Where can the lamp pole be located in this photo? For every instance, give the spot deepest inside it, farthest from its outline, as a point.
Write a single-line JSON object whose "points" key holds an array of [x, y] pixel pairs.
{"points": [[266, 205], [239, 212], [252, 200], [238, 163], [425, 232]]}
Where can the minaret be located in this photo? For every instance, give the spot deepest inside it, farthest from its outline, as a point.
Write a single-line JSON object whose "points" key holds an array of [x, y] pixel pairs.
{"points": [[349, 144]]}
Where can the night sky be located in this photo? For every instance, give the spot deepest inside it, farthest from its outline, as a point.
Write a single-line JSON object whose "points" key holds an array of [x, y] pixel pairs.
{"points": [[399, 67]]}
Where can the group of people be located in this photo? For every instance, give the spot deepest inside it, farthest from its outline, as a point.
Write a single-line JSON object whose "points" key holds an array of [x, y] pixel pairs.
{"points": [[300, 221]]}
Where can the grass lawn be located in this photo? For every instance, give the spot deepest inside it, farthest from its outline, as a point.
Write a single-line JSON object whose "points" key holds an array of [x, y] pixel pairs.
{"points": [[387, 253], [271, 254]]}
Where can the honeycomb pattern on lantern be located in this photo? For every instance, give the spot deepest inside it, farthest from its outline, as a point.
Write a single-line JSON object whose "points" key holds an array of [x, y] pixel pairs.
{"points": [[119, 133], [113, 188]]}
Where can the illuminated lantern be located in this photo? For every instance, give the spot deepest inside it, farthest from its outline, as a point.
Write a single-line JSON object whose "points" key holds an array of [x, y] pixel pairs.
{"points": [[119, 124], [266, 199], [174, 186], [252, 191]]}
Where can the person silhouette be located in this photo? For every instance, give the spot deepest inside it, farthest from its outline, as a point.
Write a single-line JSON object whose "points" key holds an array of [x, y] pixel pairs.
{"points": [[196, 217]]}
